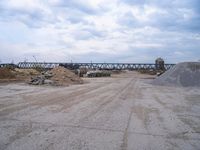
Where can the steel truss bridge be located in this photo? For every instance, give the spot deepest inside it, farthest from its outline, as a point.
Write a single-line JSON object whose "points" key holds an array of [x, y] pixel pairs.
{"points": [[8, 65], [100, 66]]}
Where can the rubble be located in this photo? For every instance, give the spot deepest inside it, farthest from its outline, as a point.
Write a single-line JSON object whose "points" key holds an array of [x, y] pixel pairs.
{"points": [[39, 80], [56, 76], [59, 76], [98, 73], [63, 76]]}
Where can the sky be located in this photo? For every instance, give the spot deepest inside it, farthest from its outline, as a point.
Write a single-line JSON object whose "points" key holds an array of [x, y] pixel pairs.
{"points": [[129, 31]]}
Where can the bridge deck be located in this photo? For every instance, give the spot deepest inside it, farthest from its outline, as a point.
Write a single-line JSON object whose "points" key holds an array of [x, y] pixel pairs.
{"points": [[101, 66]]}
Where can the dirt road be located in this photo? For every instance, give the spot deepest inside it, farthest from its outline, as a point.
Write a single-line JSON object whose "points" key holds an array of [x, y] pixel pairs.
{"points": [[124, 112]]}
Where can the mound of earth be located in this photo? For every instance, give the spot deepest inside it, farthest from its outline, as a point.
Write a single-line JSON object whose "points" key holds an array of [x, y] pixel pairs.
{"points": [[186, 74], [63, 76], [58, 76], [6, 73], [16, 74], [26, 72]]}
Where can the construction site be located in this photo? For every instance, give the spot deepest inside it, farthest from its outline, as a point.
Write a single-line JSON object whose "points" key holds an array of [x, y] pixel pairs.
{"points": [[85, 106]]}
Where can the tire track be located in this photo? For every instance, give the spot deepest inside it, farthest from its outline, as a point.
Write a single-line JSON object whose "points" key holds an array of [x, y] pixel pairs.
{"points": [[109, 99], [47, 99], [124, 144]]}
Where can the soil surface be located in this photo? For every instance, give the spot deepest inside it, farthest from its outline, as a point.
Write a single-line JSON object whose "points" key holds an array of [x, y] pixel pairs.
{"points": [[123, 112]]}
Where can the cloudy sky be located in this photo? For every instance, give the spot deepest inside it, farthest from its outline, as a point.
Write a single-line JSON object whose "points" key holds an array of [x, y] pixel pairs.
{"points": [[99, 30]]}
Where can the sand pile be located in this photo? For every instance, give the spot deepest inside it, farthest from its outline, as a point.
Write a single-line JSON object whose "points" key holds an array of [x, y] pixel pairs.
{"points": [[16, 74], [63, 76], [26, 72], [183, 74], [57, 76], [6, 73]]}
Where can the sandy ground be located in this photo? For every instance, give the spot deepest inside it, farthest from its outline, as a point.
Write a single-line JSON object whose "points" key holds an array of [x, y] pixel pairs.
{"points": [[124, 112]]}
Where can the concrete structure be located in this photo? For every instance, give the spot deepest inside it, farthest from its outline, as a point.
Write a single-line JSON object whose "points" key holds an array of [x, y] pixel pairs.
{"points": [[160, 64]]}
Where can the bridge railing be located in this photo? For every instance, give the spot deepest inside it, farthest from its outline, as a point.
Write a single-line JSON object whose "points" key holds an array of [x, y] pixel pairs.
{"points": [[26, 65]]}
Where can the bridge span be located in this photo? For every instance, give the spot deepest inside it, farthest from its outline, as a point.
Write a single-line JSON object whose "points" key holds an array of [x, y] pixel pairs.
{"points": [[100, 66]]}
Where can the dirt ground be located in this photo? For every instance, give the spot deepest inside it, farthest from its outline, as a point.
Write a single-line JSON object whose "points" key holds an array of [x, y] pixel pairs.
{"points": [[123, 112]]}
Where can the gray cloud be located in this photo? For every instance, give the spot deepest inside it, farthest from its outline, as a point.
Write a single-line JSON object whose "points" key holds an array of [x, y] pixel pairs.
{"points": [[175, 12], [76, 5], [179, 15], [117, 31]]}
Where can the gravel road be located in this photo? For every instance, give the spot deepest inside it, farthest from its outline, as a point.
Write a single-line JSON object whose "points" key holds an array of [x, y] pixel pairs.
{"points": [[123, 112]]}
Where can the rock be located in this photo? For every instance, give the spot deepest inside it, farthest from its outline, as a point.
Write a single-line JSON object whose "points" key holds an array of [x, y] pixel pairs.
{"points": [[50, 82], [48, 75], [39, 80]]}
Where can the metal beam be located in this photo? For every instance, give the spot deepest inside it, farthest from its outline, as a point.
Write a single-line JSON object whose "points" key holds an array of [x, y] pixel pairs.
{"points": [[101, 66]]}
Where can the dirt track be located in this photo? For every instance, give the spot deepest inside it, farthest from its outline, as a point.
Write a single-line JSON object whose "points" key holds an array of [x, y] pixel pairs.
{"points": [[118, 113]]}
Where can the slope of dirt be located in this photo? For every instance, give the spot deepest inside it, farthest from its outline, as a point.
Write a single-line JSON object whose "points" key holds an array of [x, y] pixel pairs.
{"points": [[27, 72], [56, 76], [8, 74], [63, 76], [183, 74]]}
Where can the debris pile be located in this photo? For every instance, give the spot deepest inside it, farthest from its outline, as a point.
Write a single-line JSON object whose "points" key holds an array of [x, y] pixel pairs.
{"points": [[186, 74], [25, 74], [98, 73], [38, 80], [63, 76], [57, 76], [81, 71]]}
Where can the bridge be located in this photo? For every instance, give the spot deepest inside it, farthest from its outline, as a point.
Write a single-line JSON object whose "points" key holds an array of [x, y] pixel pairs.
{"points": [[9, 65], [100, 66]]}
